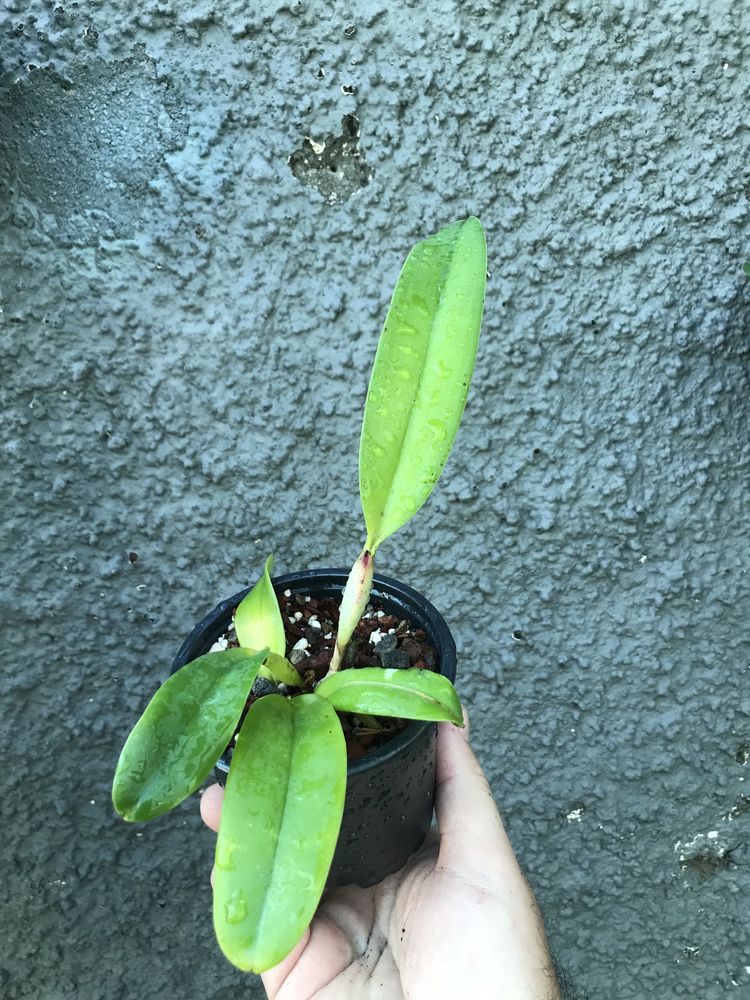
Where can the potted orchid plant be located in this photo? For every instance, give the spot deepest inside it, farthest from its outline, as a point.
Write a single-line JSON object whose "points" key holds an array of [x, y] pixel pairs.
{"points": [[243, 693]]}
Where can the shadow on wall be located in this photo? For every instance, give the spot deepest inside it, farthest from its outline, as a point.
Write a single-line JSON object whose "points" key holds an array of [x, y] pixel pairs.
{"points": [[568, 990], [85, 151]]}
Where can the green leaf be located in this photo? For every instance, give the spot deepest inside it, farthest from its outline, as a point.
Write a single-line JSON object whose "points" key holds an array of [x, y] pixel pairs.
{"points": [[746, 267], [257, 619], [280, 820], [183, 732], [403, 694], [279, 669], [421, 376]]}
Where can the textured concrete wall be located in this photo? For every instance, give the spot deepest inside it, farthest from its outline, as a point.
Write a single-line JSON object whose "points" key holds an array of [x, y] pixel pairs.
{"points": [[192, 293]]}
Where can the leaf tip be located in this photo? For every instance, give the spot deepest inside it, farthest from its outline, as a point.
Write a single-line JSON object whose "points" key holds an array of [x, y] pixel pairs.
{"points": [[123, 809]]}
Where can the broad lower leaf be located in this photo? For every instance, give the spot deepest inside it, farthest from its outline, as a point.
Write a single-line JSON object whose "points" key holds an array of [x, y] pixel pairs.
{"points": [[257, 619], [403, 694], [183, 732], [280, 820], [421, 376]]}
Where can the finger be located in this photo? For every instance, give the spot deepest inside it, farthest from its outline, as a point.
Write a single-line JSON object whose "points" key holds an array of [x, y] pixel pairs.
{"points": [[336, 939], [276, 981], [466, 731], [472, 835], [211, 801], [476, 854]]}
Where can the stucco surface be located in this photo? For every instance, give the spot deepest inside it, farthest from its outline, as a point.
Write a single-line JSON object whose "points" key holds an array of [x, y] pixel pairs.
{"points": [[188, 321]]}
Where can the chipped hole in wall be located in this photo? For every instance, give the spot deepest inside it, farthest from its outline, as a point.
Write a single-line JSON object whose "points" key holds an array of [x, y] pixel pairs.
{"points": [[333, 165], [576, 813], [742, 805], [705, 863], [706, 854]]}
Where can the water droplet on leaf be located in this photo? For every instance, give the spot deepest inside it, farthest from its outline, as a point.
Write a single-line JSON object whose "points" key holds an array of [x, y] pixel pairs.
{"points": [[235, 908]]}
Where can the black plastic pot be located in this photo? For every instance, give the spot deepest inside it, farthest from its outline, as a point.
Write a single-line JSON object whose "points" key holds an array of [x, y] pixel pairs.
{"points": [[389, 792]]}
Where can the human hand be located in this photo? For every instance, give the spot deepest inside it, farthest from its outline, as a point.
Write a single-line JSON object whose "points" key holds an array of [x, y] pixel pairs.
{"points": [[459, 919]]}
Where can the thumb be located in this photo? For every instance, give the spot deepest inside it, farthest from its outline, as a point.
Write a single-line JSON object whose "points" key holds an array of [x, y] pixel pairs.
{"points": [[473, 841]]}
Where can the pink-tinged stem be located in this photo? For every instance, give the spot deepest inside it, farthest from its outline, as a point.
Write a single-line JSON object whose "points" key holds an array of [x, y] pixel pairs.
{"points": [[353, 604]]}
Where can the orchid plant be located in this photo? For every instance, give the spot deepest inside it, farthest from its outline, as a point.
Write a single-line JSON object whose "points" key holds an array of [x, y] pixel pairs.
{"points": [[286, 784]]}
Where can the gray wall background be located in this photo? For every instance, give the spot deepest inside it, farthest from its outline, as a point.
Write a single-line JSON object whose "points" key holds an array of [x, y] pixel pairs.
{"points": [[188, 324]]}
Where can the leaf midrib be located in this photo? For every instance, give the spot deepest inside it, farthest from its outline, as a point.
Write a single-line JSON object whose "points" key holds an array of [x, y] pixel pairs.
{"points": [[389, 685], [373, 543], [267, 894]]}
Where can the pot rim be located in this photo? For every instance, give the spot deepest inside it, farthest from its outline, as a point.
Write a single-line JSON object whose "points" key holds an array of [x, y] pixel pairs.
{"points": [[332, 581]]}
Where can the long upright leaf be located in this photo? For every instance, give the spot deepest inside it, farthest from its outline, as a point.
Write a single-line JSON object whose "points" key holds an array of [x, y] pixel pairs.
{"points": [[403, 694], [421, 376], [182, 733], [280, 820]]}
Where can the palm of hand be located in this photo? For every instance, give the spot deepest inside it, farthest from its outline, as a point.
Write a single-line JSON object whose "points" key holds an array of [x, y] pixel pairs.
{"points": [[458, 920]]}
